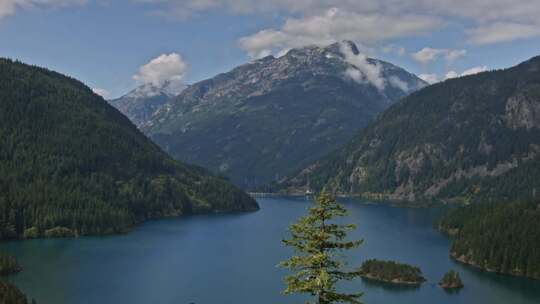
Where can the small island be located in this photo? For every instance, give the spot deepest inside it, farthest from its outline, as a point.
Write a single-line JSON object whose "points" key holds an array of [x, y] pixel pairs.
{"points": [[10, 294], [391, 272], [8, 265], [451, 280]]}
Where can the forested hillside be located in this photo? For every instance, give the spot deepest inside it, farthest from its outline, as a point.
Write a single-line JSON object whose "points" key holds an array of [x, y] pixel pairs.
{"points": [[499, 237], [465, 139], [72, 164]]}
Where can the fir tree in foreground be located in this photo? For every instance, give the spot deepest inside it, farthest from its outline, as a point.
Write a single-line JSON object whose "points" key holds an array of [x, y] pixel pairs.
{"points": [[318, 241]]}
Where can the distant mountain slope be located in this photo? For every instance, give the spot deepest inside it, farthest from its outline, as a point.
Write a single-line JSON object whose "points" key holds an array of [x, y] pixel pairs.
{"points": [[265, 119], [476, 136], [141, 103], [68, 159]]}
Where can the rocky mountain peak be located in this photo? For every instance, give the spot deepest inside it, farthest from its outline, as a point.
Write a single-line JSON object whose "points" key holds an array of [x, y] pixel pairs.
{"points": [[167, 88], [142, 102], [268, 117]]}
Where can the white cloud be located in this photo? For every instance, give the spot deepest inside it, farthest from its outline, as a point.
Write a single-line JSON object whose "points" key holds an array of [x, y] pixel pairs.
{"points": [[451, 74], [363, 71], [166, 68], [428, 54], [429, 78], [398, 83], [9, 7], [335, 25], [503, 32], [452, 55], [471, 71], [102, 92], [368, 21], [433, 78]]}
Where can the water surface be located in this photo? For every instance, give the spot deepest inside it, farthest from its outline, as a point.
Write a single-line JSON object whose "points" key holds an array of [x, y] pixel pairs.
{"points": [[232, 258]]}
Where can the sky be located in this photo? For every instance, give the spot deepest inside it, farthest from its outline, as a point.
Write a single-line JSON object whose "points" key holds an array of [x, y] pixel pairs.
{"points": [[116, 45]]}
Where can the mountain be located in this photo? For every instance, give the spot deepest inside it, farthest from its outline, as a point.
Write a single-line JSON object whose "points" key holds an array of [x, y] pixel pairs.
{"points": [[475, 137], [139, 104], [72, 164], [265, 119]]}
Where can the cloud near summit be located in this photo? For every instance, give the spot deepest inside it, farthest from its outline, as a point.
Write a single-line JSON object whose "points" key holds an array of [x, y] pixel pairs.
{"points": [[164, 68], [335, 25]]}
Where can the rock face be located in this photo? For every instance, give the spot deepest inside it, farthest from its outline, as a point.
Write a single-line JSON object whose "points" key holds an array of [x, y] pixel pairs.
{"points": [[472, 137], [522, 112], [140, 104], [265, 119]]}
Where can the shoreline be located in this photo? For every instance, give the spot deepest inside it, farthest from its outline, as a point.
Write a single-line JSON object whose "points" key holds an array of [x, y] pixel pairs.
{"points": [[394, 281], [129, 229], [461, 259], [362, 197]]}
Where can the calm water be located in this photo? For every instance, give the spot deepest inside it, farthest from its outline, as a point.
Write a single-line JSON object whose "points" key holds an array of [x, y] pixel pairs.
{"points": [[228, 259]]}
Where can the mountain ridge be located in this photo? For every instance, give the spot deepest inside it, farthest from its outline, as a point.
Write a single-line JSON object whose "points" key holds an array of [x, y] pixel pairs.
{"points": [[142, 102], [463, 139], [72, 164], [274, 112]]}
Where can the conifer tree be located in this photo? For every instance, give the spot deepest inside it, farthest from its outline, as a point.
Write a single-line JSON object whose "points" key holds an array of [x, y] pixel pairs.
{"points": [[317, 265]]}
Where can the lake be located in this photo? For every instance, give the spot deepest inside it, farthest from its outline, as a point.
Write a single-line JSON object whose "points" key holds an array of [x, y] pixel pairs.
{"points": [[232, 258]]}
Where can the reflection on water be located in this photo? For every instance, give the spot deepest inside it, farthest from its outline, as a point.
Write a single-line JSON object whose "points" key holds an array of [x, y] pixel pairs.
{"points": [[389, 287]]}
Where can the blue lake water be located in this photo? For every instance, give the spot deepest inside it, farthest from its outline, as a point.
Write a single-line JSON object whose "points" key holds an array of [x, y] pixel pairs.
{"points": [[232, 259]]}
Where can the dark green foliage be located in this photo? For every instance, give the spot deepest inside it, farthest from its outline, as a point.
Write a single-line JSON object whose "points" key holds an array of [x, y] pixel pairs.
{"points": [[451, 280], [8, 265], [498, 237], [468, 139], [319, 240], [390, 271], [9, 294], [71, 164]]}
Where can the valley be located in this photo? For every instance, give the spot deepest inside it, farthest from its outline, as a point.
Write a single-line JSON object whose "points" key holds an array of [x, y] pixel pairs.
{"points": [[232, 151], [265, 119]]}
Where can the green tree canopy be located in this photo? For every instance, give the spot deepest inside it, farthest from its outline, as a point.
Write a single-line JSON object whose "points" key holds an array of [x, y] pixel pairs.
{"points": [[317, 265]]}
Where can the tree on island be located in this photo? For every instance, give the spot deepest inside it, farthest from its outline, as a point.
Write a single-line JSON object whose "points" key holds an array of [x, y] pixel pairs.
{"points": [[451, 280], [317, 265], [8, 264], [10, 294]]}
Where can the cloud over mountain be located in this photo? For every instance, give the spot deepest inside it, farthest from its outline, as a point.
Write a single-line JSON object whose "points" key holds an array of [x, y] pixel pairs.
{"points": [[489, 21], [428, 54], [333, 25], [166, 68]]}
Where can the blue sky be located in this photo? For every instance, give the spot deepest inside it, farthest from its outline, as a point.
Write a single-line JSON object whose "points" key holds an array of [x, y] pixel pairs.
{"points": [[105, 43]]}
